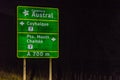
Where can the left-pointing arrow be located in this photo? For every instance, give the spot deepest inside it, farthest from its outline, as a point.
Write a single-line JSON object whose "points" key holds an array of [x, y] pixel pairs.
{"points": [[22, 23]]}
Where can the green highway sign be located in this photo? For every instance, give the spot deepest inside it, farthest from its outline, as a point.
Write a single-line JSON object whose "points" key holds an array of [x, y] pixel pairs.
{"points": [[37, 32], [28, 12]]}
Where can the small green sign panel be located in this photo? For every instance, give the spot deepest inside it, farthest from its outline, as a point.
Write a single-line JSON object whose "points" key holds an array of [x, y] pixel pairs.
{"points": [[37, 32]]}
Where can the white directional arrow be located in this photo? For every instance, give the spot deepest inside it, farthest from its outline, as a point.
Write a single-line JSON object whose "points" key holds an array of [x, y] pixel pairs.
{"points": [[22, 23], [53, 39], [26, 12]]}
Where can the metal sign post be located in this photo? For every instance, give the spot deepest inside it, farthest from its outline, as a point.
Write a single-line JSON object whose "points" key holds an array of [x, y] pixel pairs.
{"points": [[24, 69], [50, 69]]}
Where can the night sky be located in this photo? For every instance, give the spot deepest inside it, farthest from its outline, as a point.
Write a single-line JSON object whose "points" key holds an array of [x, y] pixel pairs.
{"points": [[89, 34]]}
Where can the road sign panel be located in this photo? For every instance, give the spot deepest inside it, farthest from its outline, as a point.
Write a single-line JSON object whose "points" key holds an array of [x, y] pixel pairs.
{"points": [[28, 12], [37, 32], [38, 26], [44, 42]]}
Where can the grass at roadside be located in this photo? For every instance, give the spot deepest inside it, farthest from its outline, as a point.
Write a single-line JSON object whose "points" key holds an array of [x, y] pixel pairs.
{"points": [[9, 76], [4, 75]]}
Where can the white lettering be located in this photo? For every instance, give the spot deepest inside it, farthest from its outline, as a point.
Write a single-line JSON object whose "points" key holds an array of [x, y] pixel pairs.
{"points": [[38, 54], [41, 14], [30, 36], [47, 54], [37, 23], [28, 54], [34, 41], [42, 37]]}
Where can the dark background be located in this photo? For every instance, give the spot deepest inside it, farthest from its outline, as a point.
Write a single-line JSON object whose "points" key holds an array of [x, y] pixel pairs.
{"points": [[89, 36]]}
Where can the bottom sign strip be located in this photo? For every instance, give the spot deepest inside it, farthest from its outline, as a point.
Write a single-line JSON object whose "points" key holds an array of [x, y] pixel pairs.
{"points": [[38, 54]]}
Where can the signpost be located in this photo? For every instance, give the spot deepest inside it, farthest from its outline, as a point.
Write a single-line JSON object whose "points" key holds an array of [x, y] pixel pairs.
{"points": [[37, 34]]}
